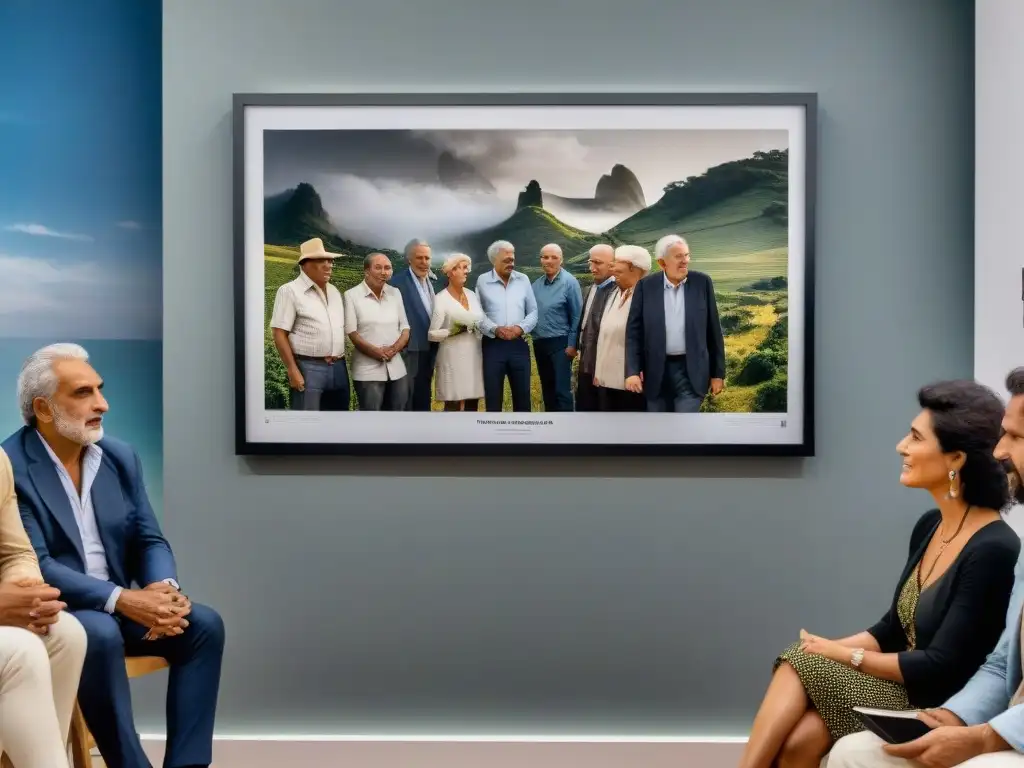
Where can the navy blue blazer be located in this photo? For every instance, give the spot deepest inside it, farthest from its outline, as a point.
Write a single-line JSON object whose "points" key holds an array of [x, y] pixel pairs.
{"points": [[419, 318], [645, 333], [137, 551]]}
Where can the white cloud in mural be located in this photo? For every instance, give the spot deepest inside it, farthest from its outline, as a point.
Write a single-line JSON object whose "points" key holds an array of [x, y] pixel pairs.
{"points": [[40, 230], [41, 298]]}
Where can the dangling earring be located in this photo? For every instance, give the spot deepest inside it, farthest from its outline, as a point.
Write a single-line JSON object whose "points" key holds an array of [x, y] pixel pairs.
{"points": [[952, 493]]}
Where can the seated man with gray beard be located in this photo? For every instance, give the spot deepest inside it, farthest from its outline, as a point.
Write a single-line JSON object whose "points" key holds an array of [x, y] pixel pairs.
{"points": [[85, 509]]}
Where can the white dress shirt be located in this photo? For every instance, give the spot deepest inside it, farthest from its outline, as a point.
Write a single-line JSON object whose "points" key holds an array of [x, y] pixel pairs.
{"points": [[425, 290], [313, 319], [81, 505], [378, 322]]}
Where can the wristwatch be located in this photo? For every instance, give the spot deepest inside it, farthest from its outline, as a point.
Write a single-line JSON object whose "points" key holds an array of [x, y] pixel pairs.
{"points": [[857, 657]]}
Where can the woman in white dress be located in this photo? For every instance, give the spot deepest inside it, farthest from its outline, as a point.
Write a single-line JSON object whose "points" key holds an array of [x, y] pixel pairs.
{"points": [[459, 372], [632, 263]]}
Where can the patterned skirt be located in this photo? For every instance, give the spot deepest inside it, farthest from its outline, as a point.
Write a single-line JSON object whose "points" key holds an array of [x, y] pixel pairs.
{"points": [[835, 689]]}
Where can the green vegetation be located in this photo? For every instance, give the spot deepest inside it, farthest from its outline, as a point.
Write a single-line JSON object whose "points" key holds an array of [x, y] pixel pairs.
{"points": [[529, 229], [734, 218]]}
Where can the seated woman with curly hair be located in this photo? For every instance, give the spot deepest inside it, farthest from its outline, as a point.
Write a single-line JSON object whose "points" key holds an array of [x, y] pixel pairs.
{"points": [[950, 602]]}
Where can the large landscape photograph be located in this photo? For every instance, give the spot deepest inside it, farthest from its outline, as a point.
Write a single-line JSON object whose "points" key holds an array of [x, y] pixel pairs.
{"points": [[727, 192]]}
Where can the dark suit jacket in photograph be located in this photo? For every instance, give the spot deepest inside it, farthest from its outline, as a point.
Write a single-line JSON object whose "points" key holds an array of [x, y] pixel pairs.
{"points": [[587, 337], [645, 333], [419, 318]]}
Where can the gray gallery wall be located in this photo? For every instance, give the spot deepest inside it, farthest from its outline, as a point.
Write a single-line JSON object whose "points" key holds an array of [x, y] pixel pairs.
{"points": [[613, 596]]}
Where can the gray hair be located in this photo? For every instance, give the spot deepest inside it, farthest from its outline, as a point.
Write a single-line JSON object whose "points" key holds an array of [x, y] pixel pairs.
{"points": [[668, 241], [602, 247], [555, 247], [39, 379], [497, 247], [412, 245]]}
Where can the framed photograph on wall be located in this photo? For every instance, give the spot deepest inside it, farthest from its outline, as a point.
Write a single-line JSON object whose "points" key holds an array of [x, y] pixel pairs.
{"points": [[524, 274]]}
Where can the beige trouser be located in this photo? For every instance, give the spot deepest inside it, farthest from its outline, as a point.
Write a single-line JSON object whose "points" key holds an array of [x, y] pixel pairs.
{"points": [[864, 750], [38, 686]]}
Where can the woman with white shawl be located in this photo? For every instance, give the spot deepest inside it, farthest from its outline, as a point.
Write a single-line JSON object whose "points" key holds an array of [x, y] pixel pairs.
{"points": [[459, 371]]}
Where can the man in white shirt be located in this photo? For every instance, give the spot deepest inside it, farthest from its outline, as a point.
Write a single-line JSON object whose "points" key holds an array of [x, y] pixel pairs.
{"points": [[377, 325], [308, 323]]}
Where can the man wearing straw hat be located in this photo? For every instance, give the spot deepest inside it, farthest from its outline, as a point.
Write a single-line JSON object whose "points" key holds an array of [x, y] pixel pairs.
{"points": [[308, 323]]}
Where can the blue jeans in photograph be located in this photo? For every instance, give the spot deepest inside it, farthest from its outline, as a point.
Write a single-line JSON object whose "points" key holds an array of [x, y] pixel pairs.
{"points": [[390, 395], [555, 372], [677, 393], [327, 387], [506, 358]]}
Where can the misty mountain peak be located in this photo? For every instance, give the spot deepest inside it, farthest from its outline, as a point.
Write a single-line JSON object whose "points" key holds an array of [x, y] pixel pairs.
{"points": [[532, 196], [620, 188], [456, 173], [305, 201]]}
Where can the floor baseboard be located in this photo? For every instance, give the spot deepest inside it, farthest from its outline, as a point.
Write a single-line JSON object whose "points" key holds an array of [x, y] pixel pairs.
{"points": [[455, 752]]}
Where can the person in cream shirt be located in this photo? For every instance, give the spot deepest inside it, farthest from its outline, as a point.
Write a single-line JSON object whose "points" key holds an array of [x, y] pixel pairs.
{"points": [[42, 648]]}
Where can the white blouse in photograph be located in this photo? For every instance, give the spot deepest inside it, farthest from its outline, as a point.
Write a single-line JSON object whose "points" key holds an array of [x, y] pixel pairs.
{"points": [[459, 371]]}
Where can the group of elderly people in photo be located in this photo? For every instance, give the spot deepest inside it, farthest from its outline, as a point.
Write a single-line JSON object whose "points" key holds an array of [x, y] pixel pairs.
{"points": [[644, 342]]}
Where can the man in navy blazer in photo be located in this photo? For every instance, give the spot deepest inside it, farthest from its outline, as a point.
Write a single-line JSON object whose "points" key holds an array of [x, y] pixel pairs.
{"points": [[675, 350], [85, 509], [417, 289]]}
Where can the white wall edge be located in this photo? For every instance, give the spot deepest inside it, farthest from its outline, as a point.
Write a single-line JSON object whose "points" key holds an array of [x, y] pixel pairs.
{"points": [[499, 751]]}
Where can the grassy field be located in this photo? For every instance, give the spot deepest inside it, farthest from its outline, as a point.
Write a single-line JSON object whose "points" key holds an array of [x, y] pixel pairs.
{"points": [[747, 316], [738, 234]]}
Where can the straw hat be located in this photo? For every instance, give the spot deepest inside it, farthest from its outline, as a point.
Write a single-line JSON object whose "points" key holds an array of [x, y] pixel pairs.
{"points": [[314, 249]]}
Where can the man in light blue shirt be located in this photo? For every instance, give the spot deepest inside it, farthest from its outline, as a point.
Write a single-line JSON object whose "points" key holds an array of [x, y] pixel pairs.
{"points": [[559, 306], [510, 312]]}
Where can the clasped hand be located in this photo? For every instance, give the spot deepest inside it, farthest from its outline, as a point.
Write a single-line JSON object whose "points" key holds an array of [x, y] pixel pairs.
{"points": [[30, 604], [384, 354], [159, 607], [821, 646]]}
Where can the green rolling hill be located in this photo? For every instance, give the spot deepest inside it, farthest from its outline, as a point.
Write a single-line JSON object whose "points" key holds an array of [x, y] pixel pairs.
{"points": [[734, 217], [298, 214], [764, 172], [529, 229]]}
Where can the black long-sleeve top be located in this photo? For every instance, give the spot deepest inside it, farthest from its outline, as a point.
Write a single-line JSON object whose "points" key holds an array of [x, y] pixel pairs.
{"points": [[959, 617]]}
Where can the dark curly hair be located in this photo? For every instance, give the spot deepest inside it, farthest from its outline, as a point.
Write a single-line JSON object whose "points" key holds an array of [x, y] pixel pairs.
{"points": [[1015, 381], [968, 416]]}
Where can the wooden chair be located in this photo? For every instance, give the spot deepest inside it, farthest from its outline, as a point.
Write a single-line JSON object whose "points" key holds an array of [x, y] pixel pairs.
{"points": [[81, 740]]}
